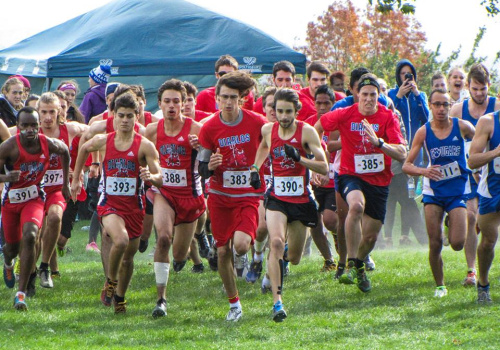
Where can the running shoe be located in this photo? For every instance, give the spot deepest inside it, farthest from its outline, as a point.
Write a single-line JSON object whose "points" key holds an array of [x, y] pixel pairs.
{"points": [[31, 288], [160, 309], [364, 283], [199, 268], [17, 269], [45, 279], [470, 280], [240, 265], [340, 271], [349, 277], [107, 293], [234, 314], [9, 276], [212, 257], [369, 263], [279, 313], [329, 265], [120, 307], [179, 265], [255, 272], [92, 247], [19, 303], [265, 287], [483, 295], [55, 274], [143, 245], [203, 244], [440, 292], [60, 251], [405, 241]]}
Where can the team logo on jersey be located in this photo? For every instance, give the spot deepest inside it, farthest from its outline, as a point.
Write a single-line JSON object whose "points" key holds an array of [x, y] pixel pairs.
{"points": [[237, 158], [124, 166], [234, 140], [173, 160], [445, 151], [286, 162], [31, 170], [54, 161], [359, 127]]}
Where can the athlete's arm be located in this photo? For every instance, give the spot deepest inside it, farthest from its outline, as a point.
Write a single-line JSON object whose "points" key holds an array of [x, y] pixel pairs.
{"points": [[96, 128], [9, 152], [311, 141], [152, 172], [4, 131], [96, 143], [12, 130], [395, 151], [334, 143], [466, 129], [59, 147], [75, 129], [477, 155], [413, 170], [151, 131], [456, 110]]}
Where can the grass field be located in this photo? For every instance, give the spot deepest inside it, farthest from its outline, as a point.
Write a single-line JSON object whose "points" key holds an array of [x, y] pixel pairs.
{"points": [[399, 313]]}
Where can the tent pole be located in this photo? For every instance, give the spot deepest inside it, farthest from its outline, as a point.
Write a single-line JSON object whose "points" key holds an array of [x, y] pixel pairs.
{"points": [[48, 82]]}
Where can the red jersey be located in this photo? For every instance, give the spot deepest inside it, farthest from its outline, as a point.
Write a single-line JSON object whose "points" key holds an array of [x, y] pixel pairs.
{"points": [[291, 180], [148, 118], [307, 93], [238, 145], [110, 127], [200, 115], [258, 107], [32, 167], [326, 137], [105, 115], [359, 157], [122, 189], [205, 101], [73, 154], [178, 161], [53, 178]]}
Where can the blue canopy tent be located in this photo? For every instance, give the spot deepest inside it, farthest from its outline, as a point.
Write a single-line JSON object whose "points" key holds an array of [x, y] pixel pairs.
{"points": [[157, 39]]}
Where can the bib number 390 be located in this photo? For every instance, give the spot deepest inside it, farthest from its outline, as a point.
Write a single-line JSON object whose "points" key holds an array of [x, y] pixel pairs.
{"points": [[121, 186], [369, 163], [289, 185]]}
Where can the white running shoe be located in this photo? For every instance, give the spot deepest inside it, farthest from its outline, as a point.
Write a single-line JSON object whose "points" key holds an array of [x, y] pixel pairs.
{"points": [[440, 292], [234, 314]]}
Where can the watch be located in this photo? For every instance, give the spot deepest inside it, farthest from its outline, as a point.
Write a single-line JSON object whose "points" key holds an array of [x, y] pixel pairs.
{"points": [[380, 142]]}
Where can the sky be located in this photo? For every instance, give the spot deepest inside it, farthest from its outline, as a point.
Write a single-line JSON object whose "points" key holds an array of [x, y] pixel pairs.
{"points": [[449, 22]]}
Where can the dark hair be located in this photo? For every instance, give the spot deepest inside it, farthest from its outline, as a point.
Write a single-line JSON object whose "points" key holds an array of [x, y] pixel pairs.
{"points": [[317, 66], [120, 90], [288, 95], [285, 66], [70, 82], [270, 90], [27, 110], [368, 79], [436, 76], [190, 88], [479, 73], [237, 80], [226, 60], [32, 97], [173, 84], [441, 91], [60, 94], [336, 75], [356, 75], [139, 91], [127, 100], [326, 90]]}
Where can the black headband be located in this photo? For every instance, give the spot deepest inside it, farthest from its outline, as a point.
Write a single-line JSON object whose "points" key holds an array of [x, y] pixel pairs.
{"points": [[368, 81]]}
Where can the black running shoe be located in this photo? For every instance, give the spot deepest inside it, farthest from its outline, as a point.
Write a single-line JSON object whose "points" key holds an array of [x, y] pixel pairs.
{"points": [[143, 246], [203, 244]]}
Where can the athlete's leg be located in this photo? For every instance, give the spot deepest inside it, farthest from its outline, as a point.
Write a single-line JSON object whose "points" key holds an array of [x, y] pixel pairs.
{"points": [[434, 216], [127, 267], [472, 239], [277, 226], [488, 223]]}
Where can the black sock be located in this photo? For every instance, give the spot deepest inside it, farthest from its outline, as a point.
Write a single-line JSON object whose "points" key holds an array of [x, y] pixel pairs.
{"points": [[341, 266], [119, 299], [351, 260], [359, 264], [44, 266]]}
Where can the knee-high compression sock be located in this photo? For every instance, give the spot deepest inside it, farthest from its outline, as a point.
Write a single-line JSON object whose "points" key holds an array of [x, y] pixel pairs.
{"points": [[282, 272], [161, 273]]}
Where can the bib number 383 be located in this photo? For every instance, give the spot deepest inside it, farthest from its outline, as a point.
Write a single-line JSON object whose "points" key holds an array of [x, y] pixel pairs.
{"points": [[369, 163], [121, 186], [236, 179]]}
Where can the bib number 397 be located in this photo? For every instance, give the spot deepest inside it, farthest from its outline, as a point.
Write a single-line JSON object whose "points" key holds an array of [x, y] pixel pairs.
{"points": [[236, 179], [53, 177], [121, 186], [369, 163], [289, 185]]}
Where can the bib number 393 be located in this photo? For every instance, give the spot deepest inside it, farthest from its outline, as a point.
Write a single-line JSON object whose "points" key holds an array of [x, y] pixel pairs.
{"points": [[289, 185], [121, 186], [236, 179], [369, 163], [21, 195]]}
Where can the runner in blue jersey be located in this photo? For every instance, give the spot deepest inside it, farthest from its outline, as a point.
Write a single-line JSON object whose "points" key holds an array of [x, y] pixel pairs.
{"points": [[479, 104], [485, 152], [446, 179]]}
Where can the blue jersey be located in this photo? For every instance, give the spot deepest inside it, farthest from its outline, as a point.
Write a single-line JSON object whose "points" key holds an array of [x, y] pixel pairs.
{"points": [[449, 154], [489, 185]]}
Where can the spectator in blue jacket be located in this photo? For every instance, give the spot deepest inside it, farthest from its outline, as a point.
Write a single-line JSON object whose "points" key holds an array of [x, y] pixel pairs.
{"points": [[409, 101]]}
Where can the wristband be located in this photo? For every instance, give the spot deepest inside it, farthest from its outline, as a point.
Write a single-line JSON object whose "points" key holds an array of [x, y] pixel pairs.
{"points": [[96, 163], [380, 142], [254, 166]]}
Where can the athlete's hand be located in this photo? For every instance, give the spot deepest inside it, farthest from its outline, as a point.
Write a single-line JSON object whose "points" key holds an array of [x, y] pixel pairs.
{"points": [[144, 173], [13, 176], [255, 180], [292, 152], [320, 180], [370, 133], [215, 160], [193, 141], [66, 192], [94, 171], [433, 173], [76, 187]]}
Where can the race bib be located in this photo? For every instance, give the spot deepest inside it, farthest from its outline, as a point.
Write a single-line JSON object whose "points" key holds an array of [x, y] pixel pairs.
{"points": [[237, 179], [121, 186], [174, 177], [449, 171], [496, 165], [21, 195], [331, 172], [369, 163], [268, 179], [53, 177], [289, 185]]}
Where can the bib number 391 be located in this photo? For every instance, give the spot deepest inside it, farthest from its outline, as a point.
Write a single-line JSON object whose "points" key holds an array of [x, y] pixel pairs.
{"points": [[121, 186], [369, 163], [21, 195], [236, 179]]}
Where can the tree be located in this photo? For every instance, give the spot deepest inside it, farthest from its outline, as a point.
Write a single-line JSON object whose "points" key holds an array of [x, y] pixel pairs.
{"points": [[385, 6]]}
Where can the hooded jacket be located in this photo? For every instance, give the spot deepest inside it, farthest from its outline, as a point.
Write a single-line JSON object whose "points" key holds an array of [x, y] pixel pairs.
{"points": [[94, 102], [7, 113], [414, 109]]}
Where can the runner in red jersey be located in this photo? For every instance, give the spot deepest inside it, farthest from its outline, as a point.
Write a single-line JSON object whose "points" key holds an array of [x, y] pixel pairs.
{"points": [[121, 205], [295, 148], [207, 101], [229, 141], [49, 108], [370, 137], [179, 202], [323, 186], [26, 157]]}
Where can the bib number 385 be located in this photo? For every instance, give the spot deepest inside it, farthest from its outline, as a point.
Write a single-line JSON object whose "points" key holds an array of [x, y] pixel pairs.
{"points": [[369, 163]]}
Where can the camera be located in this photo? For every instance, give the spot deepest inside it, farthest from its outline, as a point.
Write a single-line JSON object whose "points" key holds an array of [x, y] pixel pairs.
{"points": [[408, 76]]}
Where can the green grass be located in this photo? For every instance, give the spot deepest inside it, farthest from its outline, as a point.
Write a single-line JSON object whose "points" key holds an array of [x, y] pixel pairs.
{"points": [[400, 312]]}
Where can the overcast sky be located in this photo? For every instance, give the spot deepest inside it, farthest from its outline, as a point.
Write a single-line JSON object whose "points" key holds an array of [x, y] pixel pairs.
{"points": [[451, 22]]}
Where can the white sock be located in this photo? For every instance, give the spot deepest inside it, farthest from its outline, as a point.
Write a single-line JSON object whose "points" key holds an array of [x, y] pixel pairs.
{"points": [[161, 273], [257, 257], [236, 304], [259, 246]]}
